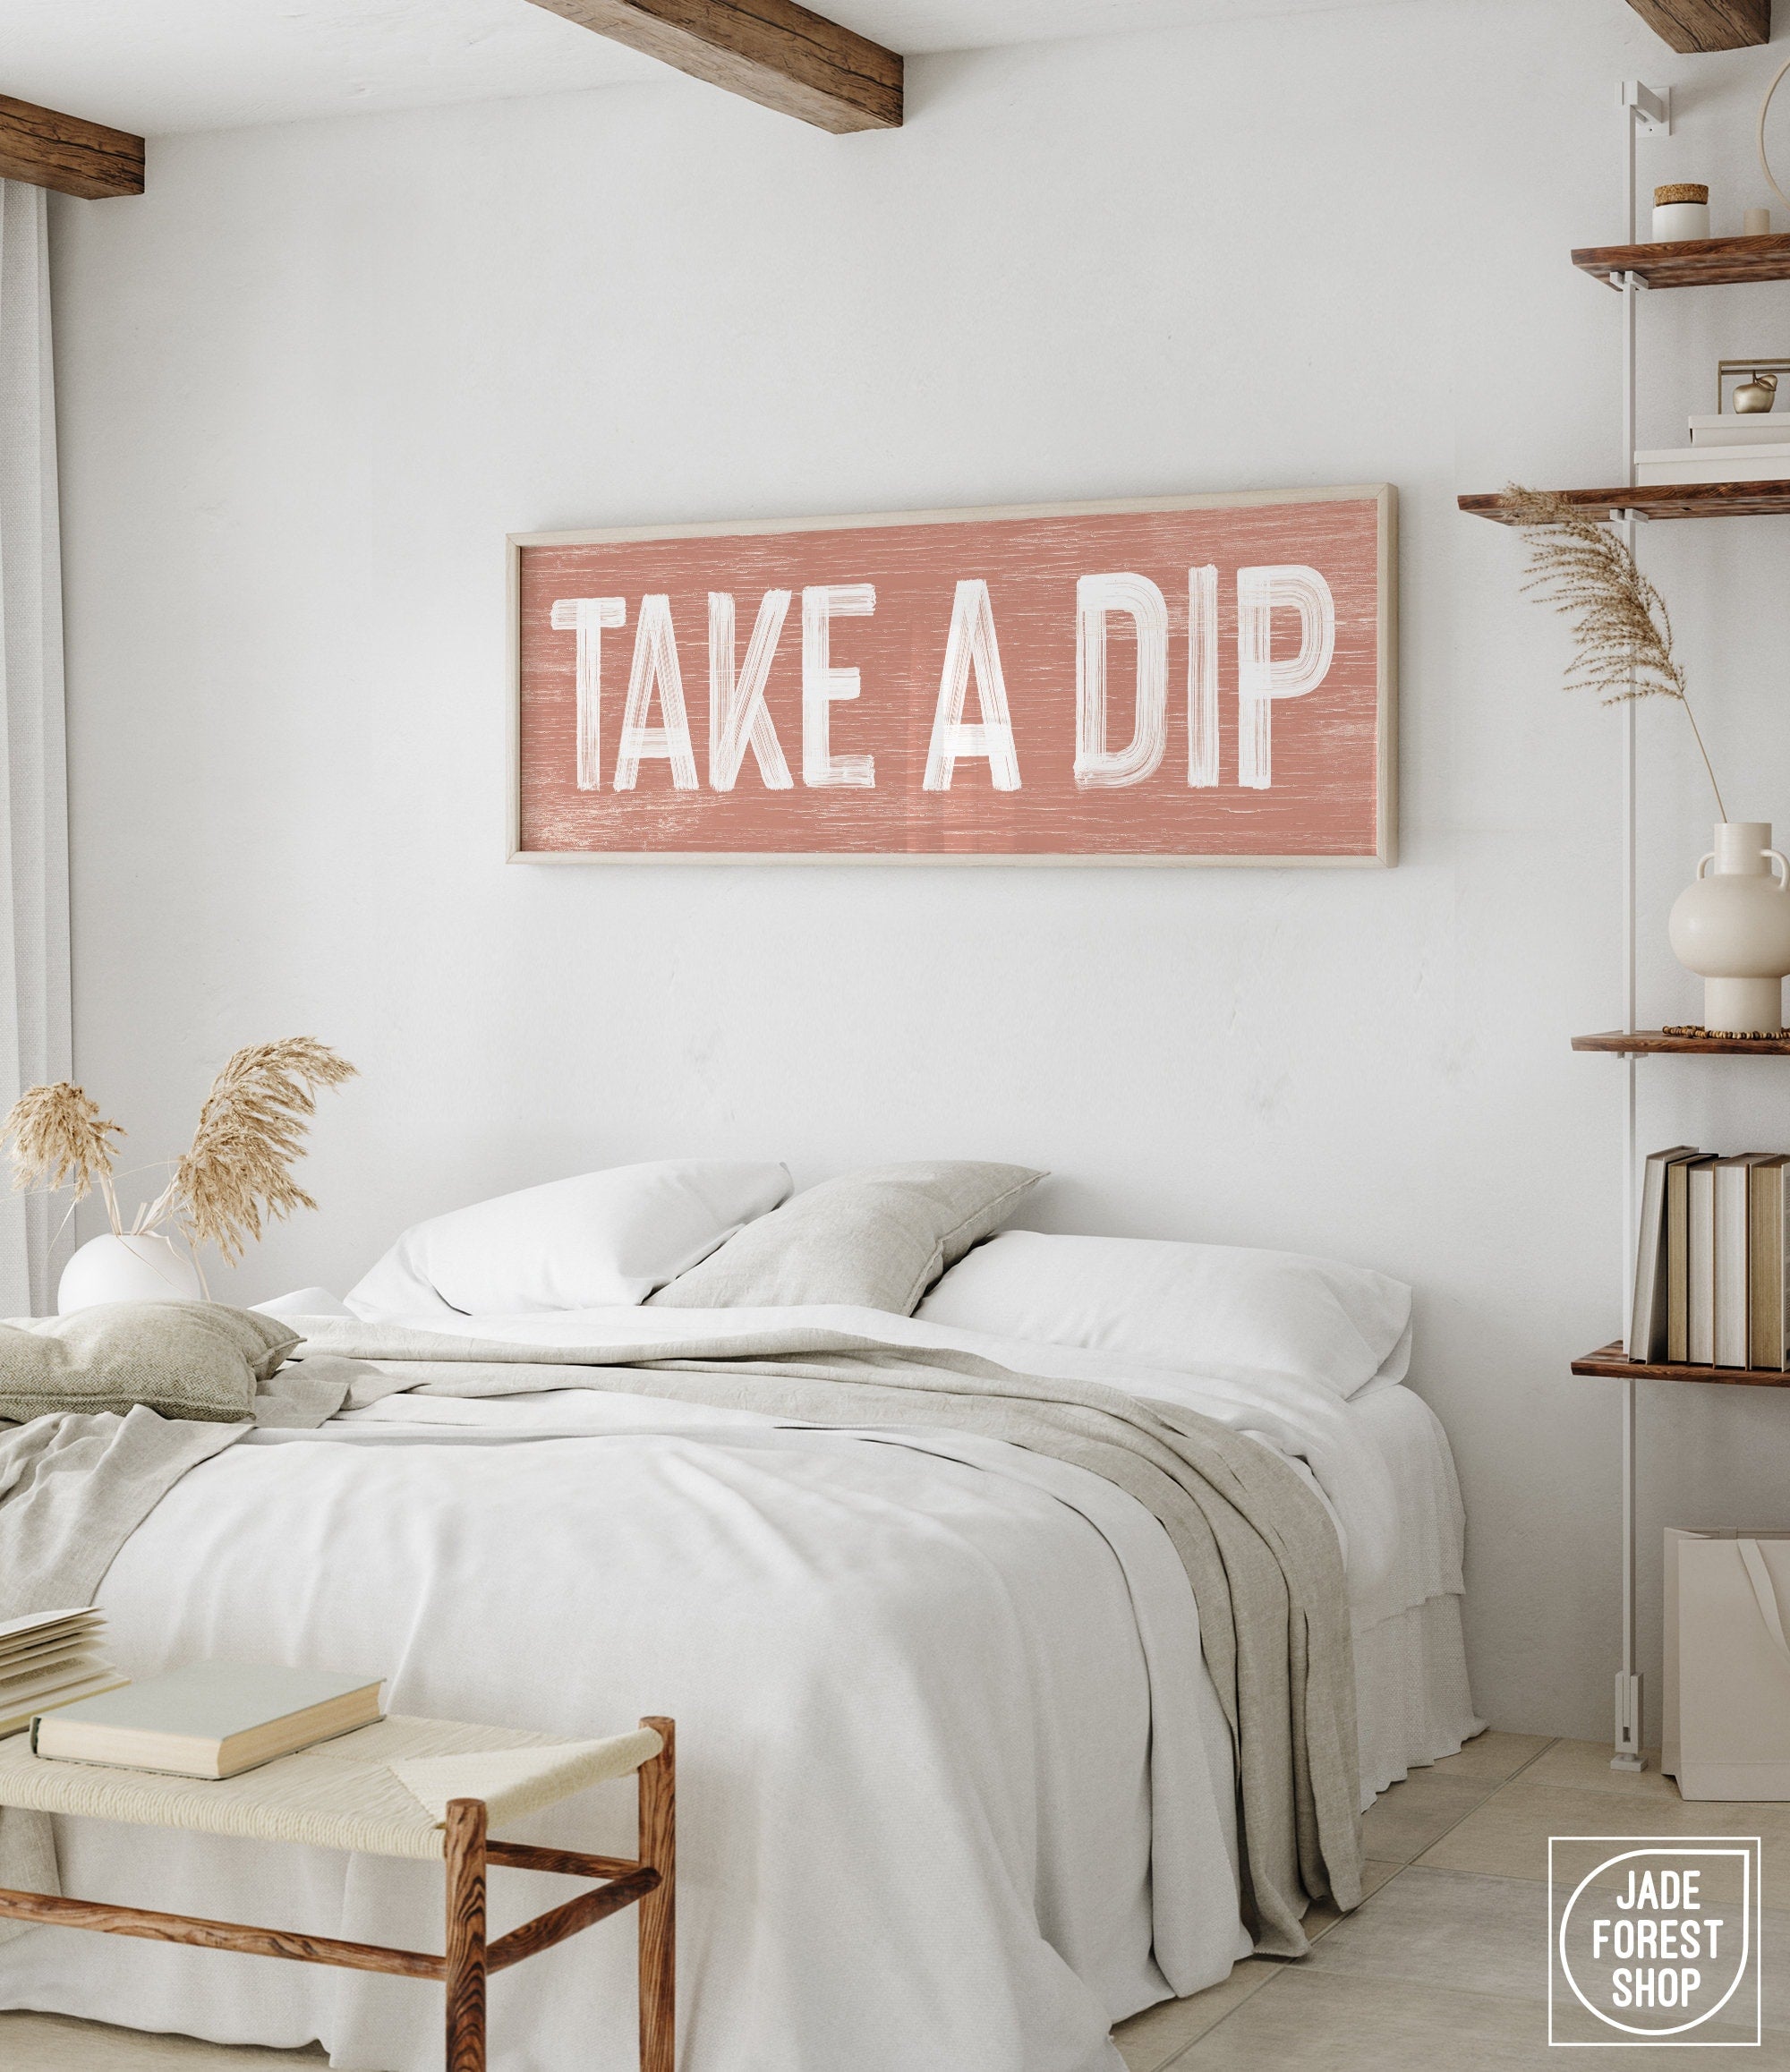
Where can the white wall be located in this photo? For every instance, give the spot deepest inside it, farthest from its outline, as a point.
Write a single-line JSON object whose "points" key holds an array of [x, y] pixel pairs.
{"points": [[313, 378]]}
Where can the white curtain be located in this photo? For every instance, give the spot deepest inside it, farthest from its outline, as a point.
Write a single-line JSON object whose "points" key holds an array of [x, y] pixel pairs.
{"points": [[36, 1042]]}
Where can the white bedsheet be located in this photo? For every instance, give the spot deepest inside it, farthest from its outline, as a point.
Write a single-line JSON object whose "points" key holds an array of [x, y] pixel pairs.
{"points": [[954, 1787]]}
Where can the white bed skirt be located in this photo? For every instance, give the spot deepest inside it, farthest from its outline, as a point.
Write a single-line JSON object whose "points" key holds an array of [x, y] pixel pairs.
{"points": [[1412, 1703]]}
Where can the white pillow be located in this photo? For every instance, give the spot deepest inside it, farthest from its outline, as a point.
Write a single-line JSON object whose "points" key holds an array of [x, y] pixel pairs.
{"points": [[1182, 1306], [597, 1240], [304, 1302]]}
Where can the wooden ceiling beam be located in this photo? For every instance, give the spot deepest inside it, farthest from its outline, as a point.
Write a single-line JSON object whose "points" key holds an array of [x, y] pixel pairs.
{"points": [[1693, 25], [45, 149], [773, 52]]}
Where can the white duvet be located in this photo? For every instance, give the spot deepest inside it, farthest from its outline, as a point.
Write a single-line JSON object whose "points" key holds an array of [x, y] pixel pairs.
{"points": [[954, 1791]]}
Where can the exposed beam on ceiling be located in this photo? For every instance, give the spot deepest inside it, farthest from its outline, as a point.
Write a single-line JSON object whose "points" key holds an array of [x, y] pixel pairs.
{"points": [[45, 149], [1690, 25], [772, 52]]}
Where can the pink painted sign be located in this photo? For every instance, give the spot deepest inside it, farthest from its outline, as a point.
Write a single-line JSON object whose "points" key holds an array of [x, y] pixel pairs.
{"points": [[1205, 680]]}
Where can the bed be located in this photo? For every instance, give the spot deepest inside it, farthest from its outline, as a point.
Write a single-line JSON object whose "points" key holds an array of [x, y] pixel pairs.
{"points": [[957, 1787]]}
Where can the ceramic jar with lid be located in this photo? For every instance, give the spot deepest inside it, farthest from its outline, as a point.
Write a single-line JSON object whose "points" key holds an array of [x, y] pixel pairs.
{"points": [[1681, 212]]}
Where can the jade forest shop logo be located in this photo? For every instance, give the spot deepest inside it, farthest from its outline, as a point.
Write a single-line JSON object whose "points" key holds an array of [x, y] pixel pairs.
{"points": [[1653, 1941]]}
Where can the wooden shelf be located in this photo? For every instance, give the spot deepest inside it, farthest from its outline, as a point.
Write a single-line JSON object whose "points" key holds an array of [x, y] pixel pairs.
{"points": [[1699, 262], [1660, 500], [1644, 1043], [1610, 1362], [1702, 262]]}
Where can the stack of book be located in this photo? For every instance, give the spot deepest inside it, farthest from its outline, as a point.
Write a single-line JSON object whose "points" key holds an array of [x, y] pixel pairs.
{"points": [[1712, 1267], [1728, 448], [50, 1660], [210, 1719]]}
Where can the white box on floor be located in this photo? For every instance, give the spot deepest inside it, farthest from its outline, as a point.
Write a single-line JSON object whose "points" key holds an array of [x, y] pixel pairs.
{"points": [[1728, 1664]]}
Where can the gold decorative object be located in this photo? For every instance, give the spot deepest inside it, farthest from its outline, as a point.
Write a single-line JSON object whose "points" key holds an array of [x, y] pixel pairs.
{"points": [[1757, 384]]}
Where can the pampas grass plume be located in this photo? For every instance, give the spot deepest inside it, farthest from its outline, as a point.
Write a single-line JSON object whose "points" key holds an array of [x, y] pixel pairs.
{"points": [[236, 1176], [58, 1136], [1623, 635]]}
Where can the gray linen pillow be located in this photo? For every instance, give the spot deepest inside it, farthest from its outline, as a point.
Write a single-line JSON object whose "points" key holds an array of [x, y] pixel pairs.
{"points": [[185, 1360], [877, 1240]]}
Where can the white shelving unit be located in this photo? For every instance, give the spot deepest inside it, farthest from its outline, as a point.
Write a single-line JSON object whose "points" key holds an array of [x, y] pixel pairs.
{"points": [[1632, 269]]}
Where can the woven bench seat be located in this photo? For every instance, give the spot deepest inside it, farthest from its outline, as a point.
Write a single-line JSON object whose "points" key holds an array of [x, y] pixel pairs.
{"points": [[382, 1790]]}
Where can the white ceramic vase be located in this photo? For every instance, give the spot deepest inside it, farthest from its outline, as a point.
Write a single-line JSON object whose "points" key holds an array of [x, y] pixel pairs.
{"points": [[114, 1269], [1731, 925]]}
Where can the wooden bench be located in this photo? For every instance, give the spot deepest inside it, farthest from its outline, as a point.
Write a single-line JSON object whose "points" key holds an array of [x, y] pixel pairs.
{"points": [[419, 1788]]}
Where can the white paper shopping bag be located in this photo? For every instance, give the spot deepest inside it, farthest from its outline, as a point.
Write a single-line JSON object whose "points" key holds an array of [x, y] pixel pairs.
{"points": [[1728, 1664]]}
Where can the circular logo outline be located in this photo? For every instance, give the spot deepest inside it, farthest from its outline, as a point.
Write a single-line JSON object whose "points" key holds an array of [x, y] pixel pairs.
{"points": [[1623, 1857]]}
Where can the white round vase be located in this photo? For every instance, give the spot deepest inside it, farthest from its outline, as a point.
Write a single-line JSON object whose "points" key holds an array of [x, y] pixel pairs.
{"points": [[1731, 925], [114, 1269]]}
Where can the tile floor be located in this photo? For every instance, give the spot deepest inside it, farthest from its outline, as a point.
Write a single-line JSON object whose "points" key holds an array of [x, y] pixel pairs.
{"points": [[1444, 1964], [1442, 1967]]}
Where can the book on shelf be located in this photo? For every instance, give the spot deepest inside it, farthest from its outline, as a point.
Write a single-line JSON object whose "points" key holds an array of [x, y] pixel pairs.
{"points": [[1733, 1218], [1757, 463], [1699, 1263], [49, 1660], [1769, 1288], [1678, 1258], [211, 1720], [1739, 427], [1648, 1317]]}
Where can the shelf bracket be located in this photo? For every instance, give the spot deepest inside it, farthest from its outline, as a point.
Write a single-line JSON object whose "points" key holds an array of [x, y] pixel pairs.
{"points": [[1651, 109], [1628, 1755]]}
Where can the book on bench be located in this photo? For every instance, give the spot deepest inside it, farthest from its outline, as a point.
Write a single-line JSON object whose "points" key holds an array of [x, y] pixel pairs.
{"points": [[48, 1659], [211, 1720]]}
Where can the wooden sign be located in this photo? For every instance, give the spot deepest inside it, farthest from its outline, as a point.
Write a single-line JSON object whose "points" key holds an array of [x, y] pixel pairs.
{"points": [[1194, 680]]}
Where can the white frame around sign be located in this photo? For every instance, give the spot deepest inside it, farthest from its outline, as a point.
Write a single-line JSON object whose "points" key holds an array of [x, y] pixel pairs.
{"points": [[1385, 851]]}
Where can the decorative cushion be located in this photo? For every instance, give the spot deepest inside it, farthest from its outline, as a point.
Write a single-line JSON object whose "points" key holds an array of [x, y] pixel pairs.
{"points": [[1184, 1305], [877, 1240], [595, 1241], [199, 1360]]}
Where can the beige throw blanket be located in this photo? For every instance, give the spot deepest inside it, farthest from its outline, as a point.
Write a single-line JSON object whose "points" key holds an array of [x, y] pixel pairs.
{"points": [[1259, 1549], [73, 1488]]}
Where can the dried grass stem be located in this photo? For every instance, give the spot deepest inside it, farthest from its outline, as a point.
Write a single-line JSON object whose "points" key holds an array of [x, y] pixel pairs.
{"points": [[1622, 634]]}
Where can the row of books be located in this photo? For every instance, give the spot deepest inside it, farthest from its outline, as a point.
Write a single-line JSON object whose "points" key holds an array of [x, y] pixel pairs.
{"points": [[210, 1719], [1712, 1264]]}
